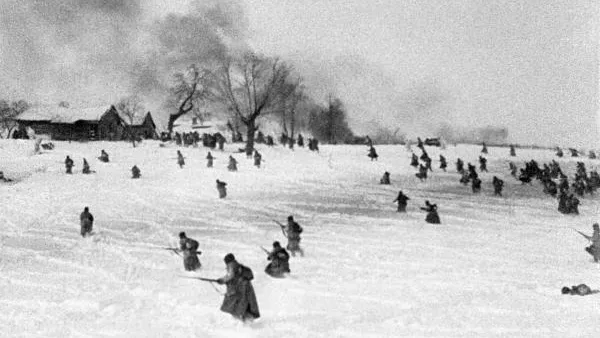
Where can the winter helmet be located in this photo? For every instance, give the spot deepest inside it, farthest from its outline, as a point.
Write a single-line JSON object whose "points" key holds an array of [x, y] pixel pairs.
{"points": [[229, 258]]}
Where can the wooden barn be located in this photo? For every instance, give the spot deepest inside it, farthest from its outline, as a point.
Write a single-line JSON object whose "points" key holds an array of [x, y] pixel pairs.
{"points": [[142, 127], [88, 124]]}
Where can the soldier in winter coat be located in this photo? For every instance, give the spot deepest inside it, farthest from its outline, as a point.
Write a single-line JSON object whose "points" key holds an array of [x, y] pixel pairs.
{"points": [[460, 165], [103, 156], [580, 290], [292, 231], [482, 164], [209, 159], [498, 184], [402, 201], [432, 214], [300, 140], [484, 149], [240, 299], [594, 249], [476, 185], [87, 222], [512, 151], [443, 163], [279, 258], [232, 164], [222, 188], [189, 248], [372, 153], [135, 172], [257, 158], [385, 179], [69, 165], [86, 167], [414, 161], [180, 159]]}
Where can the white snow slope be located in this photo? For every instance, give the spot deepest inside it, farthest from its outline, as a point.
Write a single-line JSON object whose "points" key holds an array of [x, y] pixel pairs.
{"points": [[493, 268]]}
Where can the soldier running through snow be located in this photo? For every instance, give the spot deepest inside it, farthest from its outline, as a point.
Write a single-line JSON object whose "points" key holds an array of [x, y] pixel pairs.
{"points": [[476, 185], [460, 166], [240, 298], [482, 164], [414, 160], [559, 152], [103, 156], [86, 167], [372, 153], [432, 214], [279, 264], [385, 179], [594, 248], [513, 153], [292, 231], [222, 188], [135, 172], [484, 149], [69, 165], [180, 159], [209, 160], [513, 169], [498, 184], [257, 158], [232, 166], [86, 221], [422, 174], [402, 201], [189, 248], [443, 163]]}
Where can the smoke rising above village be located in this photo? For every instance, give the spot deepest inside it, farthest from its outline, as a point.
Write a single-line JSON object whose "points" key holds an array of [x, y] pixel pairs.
{"points": [[411, 68]]}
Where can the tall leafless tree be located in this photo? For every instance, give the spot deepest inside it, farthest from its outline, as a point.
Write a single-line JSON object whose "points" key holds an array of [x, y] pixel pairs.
{"points": [[291, 93], [130, 108], [249, 87], [189, 90]]}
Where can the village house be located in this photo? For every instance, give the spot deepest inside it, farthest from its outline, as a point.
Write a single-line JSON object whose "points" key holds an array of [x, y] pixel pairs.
{"points": [[87, 124]]}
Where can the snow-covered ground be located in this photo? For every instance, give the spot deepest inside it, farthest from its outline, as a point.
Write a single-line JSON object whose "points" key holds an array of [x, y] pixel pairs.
{"points": [[493, 268]]}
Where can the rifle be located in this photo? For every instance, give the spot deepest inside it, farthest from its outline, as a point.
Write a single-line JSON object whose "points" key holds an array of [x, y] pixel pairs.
{"points": [[174, 250], [589, 238], [202, 279], [282, 227], [265, 250]]}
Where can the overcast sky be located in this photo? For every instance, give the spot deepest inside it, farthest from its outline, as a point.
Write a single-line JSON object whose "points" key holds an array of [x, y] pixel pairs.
{"points": [[530, 66]]}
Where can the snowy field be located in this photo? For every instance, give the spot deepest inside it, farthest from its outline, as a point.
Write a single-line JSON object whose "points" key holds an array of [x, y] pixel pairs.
{"points": [[493, 268]]}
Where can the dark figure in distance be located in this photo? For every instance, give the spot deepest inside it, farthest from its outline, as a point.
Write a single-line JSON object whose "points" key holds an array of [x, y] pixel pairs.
{"points": [[69, 165], [512, 151], [209, 159], [87, 222], [482, 164], [300, 140], [443, 163], [135, 172], [559, 152], [372, 153], [432, 214], [240, 298], [476, 185], [180, 159], [280, 264], [257, 158], [402, 201], [414, 161], [232, 166], [484, 149], [86, 167], [460, 165], [498, 184], [103, 156], [222, 188], [385, 179], [189, 248]]}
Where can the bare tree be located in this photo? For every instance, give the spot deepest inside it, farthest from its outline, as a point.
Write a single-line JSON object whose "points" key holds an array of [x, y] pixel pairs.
{"points": [[130, 108], [290, 95], [249, 87], [8, 114], [188, 91]]}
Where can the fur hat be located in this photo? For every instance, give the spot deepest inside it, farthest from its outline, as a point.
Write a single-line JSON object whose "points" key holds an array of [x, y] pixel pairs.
{"points": [[229, 258], [276, 244], [290, 218], [565, 290], [595, 226], [182, 234]]}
